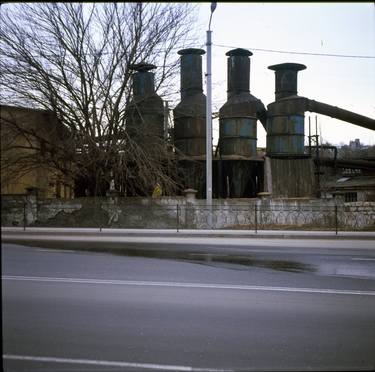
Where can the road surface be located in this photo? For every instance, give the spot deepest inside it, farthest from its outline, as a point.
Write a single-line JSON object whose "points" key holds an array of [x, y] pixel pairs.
{"points": [[271, 310]]}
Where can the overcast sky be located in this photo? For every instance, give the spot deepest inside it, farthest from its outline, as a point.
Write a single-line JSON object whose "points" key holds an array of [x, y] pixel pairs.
{"points": [[322, 28]]}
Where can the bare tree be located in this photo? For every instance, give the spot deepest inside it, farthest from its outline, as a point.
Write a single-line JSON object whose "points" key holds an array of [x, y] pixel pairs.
{"points": [[74, 60]]}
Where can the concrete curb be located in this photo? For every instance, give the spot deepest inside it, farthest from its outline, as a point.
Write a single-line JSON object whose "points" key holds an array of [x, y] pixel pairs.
{"points": [[16, 232]]}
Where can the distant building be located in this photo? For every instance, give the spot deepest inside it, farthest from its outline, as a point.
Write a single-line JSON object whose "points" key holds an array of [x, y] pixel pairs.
{"points": [[25, 133], [350, 189], [356, 144]]}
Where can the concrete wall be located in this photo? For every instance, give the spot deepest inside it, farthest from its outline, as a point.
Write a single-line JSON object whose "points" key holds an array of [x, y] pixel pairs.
{"points": [[181, 212], [358, 215]]}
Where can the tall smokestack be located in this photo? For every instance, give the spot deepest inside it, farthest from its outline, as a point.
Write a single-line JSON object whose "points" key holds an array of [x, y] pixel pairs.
{"points": [[238, 116], [190, 120], [191, 71], [286, 79], [143, 80], [190, 113], [238, 71], [238, 125], [145, 114]]}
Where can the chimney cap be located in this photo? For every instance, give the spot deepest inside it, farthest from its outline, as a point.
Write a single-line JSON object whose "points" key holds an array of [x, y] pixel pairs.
{"points": [[287, 66], [142, 67], [239, 52], [191, 51]]}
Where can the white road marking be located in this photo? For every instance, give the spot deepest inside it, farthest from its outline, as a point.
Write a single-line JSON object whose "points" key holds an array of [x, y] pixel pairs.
{"points": [[55, 250], [363, 259], [109, 363], [189, 285]]}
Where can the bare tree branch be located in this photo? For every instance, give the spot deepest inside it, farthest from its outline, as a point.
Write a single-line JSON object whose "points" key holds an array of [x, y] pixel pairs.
{"points": [[73, 59]]}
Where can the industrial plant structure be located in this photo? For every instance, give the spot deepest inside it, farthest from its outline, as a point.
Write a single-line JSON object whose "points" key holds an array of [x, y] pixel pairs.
{"points": [[286, 170]]}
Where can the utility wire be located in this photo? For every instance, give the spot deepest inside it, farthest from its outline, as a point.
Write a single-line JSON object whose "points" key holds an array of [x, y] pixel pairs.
{"points": [[302, 53]]}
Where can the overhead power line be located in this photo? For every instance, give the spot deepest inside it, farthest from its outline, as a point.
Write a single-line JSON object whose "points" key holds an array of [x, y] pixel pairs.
{"points": [[302, 53]]}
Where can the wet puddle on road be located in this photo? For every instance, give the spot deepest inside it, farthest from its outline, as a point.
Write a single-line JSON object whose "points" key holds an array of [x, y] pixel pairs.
{"points": [[230, 261]]}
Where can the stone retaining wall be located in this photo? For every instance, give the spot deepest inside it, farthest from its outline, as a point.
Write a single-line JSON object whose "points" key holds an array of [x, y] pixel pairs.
{"points": [[181, 212]]}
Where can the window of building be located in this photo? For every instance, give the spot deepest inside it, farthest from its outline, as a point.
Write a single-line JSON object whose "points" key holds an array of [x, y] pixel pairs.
{"points": [[350, 197]]}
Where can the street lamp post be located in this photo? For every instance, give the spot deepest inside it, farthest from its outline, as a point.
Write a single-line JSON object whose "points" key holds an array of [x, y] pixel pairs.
{"points": [[209, 122]]}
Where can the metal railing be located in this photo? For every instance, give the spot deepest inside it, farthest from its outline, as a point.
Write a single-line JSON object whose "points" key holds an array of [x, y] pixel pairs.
{"points": [[252, 216]]}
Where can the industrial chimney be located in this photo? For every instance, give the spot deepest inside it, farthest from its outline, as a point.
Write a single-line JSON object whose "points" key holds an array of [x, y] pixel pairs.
{"points": [[238, 130], [146, 111], [190, 122], [285, 124], [190, 113], [286, 79], [285, 132], [291, 168], [238, 116]]}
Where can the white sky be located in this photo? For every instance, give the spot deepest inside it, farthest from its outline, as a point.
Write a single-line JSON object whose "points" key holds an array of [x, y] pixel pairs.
{"points": [[331, 28]]}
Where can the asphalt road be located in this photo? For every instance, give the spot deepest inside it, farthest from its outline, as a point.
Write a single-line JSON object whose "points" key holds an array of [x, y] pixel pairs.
{"points": [[273, 310]]}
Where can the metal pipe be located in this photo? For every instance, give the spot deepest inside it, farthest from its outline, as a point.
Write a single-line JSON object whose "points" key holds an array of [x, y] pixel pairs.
{"points": [[262, 115], [292, 105], [328, 147], [285, 124], [339, 113], [343, 163]]}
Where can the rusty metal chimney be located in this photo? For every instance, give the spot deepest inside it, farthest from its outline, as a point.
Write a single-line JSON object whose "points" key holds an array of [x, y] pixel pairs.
{"points": [[238, 116], [190, 113], [145, 114], [291, 166], [191, 71], [190, 121], [285, 128], [286, 79], [238, 123], [238, 71], [285, 123], [143, 79]]}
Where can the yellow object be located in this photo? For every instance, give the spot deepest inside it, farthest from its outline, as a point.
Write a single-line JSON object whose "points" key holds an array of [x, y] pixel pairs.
{"points": [[157, 191]]}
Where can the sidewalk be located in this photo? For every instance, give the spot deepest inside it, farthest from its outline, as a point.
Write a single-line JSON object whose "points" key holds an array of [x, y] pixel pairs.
{"points": [[8, 232], [189, 244]]}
